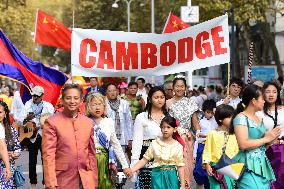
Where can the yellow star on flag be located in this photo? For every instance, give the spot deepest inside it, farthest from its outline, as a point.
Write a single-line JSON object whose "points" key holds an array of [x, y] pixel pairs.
{"points": [[175, 24], [45, 20]]}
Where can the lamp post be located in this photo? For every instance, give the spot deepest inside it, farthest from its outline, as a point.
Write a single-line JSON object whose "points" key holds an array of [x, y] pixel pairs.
{"points": [[152, 16], [128, 2]]}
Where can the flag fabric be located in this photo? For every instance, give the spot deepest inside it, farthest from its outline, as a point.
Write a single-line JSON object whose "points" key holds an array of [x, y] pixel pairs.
{"points": [[250, 61], [14, 64], [174, 24], [50, 32]]}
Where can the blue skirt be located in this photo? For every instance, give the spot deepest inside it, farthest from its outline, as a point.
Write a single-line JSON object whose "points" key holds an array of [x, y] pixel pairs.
{"points": [[200, 174]]}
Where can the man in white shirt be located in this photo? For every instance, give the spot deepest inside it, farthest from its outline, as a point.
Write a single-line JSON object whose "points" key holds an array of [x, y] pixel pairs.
{"points": [[235, 88], [34, 108], [142, 89]]}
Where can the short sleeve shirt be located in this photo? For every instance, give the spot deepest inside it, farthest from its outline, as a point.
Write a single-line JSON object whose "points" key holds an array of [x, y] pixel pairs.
{"points": [[2, 132]]}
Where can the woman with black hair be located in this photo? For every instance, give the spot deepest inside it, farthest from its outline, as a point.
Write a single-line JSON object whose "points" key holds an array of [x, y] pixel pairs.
{"points": [[184, 109], [273, 116], [146, 129], [10, 136], [252, 137]]}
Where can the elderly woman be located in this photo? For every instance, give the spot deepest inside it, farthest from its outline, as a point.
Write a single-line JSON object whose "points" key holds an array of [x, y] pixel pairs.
{"points": [[107, 144]]}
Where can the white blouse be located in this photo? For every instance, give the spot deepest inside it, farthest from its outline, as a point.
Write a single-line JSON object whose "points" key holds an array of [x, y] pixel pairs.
{"points": [[107, 126], [144, 129], [268, 121], [2, 131]]}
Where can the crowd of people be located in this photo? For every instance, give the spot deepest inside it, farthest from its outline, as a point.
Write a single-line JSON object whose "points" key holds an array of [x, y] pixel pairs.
{"points": [[159, 136]]}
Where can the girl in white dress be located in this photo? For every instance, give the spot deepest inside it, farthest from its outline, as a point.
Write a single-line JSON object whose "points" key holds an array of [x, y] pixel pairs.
{"points": [[146, 129]]}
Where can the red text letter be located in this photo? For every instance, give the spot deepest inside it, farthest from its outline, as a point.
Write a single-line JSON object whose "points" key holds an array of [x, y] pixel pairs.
{"points": [[164, 60], [126, 57], [217, 40], [205, 46], [105, 50], [83, 53], [185, 50], [148, 51]]}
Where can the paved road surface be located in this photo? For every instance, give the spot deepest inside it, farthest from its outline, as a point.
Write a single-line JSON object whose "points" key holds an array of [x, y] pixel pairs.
{"points": [[24, 160]]}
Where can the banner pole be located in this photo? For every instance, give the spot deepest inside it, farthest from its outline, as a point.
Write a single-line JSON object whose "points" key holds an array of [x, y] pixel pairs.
{"points": [[229, 77]]}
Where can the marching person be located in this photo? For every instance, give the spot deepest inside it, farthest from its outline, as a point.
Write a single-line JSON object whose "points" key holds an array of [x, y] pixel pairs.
{"points": [[136, 103], [108, 148], [34, 108], [185, 110], [252, 137], [235, 89], [146, 129], [167, 153], [9, 140], [118, 110], [207, 124], [69, 153], [273, 116], [168, 87], [141, 88], [217, 141], [94, 87]]}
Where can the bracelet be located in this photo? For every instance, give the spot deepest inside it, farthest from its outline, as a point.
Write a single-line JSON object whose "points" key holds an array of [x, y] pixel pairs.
{"points": [[198, 132]]}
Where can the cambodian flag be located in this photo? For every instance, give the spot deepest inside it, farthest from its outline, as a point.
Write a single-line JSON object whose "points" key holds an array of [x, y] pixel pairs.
{"points": [[14, 64]]}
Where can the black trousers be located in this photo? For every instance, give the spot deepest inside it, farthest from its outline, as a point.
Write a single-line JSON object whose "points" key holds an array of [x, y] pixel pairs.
{"points": [[33, 152]]}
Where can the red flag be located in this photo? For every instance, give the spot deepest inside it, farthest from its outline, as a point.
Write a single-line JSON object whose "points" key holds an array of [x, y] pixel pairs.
{"points": [[174, 24], [50, 32]]}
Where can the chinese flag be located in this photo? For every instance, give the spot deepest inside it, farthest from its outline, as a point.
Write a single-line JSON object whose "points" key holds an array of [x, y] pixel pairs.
{"points": [[174, 24], [50, 32]]}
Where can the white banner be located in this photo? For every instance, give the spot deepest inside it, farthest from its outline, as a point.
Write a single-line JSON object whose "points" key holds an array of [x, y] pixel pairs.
{"points": [[106, 53]]}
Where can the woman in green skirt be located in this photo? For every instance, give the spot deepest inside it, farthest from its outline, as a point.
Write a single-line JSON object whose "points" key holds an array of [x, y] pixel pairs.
{"points": [[107, 145], [252, 138], [167, 153]]}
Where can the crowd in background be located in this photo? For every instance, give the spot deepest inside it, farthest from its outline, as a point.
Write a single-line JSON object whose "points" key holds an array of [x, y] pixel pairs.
{"points": [[138, 126]]}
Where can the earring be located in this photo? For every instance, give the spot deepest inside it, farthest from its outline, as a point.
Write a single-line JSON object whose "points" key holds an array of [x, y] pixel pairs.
{"points": [[184, 93], [174, 93]]}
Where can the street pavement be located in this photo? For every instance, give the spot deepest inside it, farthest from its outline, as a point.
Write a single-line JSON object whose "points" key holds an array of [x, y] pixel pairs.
{"points": [[24, 160]]}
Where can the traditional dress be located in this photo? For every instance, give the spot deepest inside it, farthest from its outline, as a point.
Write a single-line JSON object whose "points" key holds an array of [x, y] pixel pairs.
{"points": [[69, 152], [9, 184], [199, 173], [259, 173], [213, 151], [166, 158], [275, 152], [145, 130], [108, 149], [183, 110]]}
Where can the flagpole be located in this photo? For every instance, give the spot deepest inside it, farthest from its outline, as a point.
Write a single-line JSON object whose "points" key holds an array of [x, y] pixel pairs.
{"points": [[167, 21], [73, 25]]}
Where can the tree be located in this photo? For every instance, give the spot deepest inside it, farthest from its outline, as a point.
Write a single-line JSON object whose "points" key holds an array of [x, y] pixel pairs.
{"points": [[246, 12]]}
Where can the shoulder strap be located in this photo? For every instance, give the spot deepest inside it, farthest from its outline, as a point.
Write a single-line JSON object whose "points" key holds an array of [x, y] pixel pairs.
{"points": [[226, 136]]}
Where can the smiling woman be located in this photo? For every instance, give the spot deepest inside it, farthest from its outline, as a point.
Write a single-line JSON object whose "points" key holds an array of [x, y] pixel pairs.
{"points": [[184, 109]]}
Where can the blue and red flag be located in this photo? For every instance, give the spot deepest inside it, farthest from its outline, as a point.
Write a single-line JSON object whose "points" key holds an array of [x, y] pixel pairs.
{"points": [[14, 64]]}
